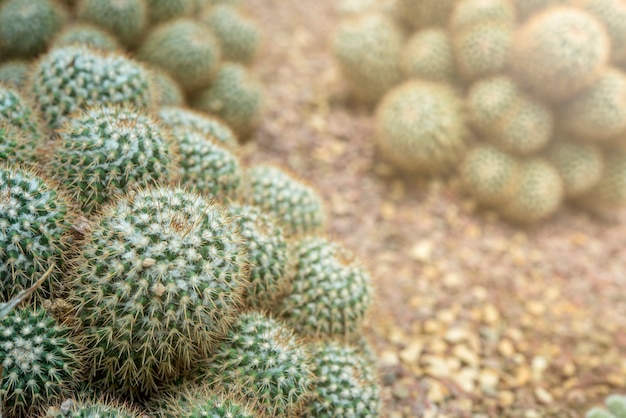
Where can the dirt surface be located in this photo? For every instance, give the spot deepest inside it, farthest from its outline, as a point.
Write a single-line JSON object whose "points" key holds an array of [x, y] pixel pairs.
{"points": [[473, 317]]}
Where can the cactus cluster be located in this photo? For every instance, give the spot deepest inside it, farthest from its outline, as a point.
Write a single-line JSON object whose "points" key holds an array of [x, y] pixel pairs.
{"points": [[533, 112]]}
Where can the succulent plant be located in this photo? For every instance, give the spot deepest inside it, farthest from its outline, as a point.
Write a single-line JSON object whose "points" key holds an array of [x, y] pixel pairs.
{"points": [[126, 19], [92, 408], [15, 144], [18, 111], [14, 73], [238, 36], [616, 405], [527, 8], [160, 279], [420, 127], [103, 152], [610, 192], [27, 26], [612, 15], [39, 361], [186, 49], [234, 97], [580, 165], [330, 293], [162, 10], [169, 91], [469, 13], [87, 35], [186, 119], [426, 12], [298, 207], [76, 77], [427, 55]]}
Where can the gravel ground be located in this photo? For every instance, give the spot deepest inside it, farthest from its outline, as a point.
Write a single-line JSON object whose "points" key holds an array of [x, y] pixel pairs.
{"points": [[473, 317]]}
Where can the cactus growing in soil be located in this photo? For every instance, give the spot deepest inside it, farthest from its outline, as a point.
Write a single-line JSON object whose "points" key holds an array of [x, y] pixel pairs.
{"points": [[87, 35], [126, 19], [420, 127], [105, 151], [330, 293], [580, 165], [428, 55], [160, 279], [178, 118], [616, 405], [238, 35], [92, 408]]}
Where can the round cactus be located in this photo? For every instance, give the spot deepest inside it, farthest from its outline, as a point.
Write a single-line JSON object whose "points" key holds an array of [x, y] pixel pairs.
{"points": [[90, 408], [511, 120], [160, 279], [17, 110], [105, 151], [88, 35], [490, 175], [126, 19], [169, 91], [272, 262], [234, 96], [163, 10], [298, 207], [35, 222], [14, 73], [428, 55], [538, 194], [185, 119], [186, 49], [27, 26], [560, 52], [75, 77], [527, 8], [610, 192], [420, 127], [16, 145], [580, 165], [344, 383], [426, 12], [368, 49], [469, 13], [38, 359], [616, 405], [263, 361], [598, 113], [238, 35], [612, 15], [330, 293]]}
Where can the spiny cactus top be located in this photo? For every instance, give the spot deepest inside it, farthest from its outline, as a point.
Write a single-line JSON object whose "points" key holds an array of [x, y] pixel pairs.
{"points": [[298, 207], [185, 119], [75, 77], [262, 360], [18, 111], [90, 408], [331, 292], [160, 278], [105, 151], [38, 359], [616, 405], [35, 221], [87, 35]]}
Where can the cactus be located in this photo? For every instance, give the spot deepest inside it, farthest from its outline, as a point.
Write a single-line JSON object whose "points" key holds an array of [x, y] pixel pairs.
{"points": [[76, 77], [18, 111], [234, 96], [598, 113], [185, 119], [169, 91], [330, 293], [87, 35], [610, 192], [616, 405], [469, 13], [238, 36], [368, 49], [505, 115], [426, 12], [262, 361], [527, 8], [420, 127], [344, 384], [93, 408], [162, 10], [14, 73], [580, 165], [490, 175], [298, 207], [35, 221], [612, 15], [538, 193], [559, 53], [16, 145], [39, 361], [428, 55], [105, 151], [160, 279], [126, 19], [272, 263], [27, 26], [186, 49]]}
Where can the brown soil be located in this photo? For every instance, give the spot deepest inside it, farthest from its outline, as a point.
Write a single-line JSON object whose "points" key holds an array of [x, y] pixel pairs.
{"points": [[474, 317]]}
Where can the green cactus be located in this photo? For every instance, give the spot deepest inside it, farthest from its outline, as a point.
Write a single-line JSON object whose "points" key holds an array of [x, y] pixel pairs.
{"points": [[298, 207], [126, 19], [28, 26], [272, 265], [469, 13], [612, 15], [559, 53], [104, 152], [490, 175], [39, 361], [186, 49], [93, 408], [616, 405], [234, 97], [262, 361], [330, 293], [17, 110], [159, 281], [428, 55], [169, 91], [420, 127], [344, 384], [527, 8], [598, 413], [76, 77], [16, 145], [7, 307], [163, 10], [426, 12], [506, 116], [35, 222], [237, 34], [186, 119], [610, 192], [368, 49], [14, 73], [88, 35], [598, 113], [580, 165]]}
